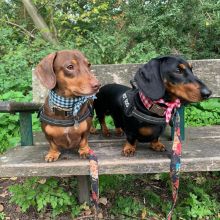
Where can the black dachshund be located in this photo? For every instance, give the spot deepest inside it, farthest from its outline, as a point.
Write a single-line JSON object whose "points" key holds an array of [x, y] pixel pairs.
{"points": [[159, 87]]}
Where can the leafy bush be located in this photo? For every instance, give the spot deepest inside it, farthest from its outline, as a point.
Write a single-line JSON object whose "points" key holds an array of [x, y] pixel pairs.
{"points": [[196, 198], [43, 193], [127, 206], [203, 113]]}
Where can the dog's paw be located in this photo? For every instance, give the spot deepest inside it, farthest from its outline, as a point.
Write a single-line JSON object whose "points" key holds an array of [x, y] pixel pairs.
{"points": [[93, 130], [52, 156], [118, 132], [106, 132], [157, 146], [128, 150], [83, 152]]}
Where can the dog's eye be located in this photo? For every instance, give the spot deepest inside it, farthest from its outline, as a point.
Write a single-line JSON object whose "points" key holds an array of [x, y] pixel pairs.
{"points": [[70, 67], [178, 70]]}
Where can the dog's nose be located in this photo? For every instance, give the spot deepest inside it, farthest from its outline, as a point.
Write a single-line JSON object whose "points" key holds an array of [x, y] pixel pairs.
{"points": [[96, 86], [205, 92]]}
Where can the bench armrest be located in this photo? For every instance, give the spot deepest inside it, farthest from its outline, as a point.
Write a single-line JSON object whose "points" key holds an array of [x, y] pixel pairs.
{"points": [[25, 110], [13, 107]]}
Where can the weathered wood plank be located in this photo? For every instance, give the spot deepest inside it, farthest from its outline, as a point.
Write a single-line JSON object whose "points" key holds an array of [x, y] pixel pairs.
{"points": [[207, 132], [198, 155], [206, 70], [13, 107], [83, 185]]}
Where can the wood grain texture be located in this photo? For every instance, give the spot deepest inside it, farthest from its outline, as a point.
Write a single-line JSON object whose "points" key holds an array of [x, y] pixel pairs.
{"points": [[13, 107], [199, 154], [206, 70]]}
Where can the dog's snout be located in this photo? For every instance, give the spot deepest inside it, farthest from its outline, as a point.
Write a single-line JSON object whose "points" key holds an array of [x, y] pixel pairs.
{"points": [[205, 92], [96, 86]]}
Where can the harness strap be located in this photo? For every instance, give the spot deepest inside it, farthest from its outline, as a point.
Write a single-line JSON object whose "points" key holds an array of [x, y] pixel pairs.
{"points": [[131, 110], [64, 122], [147, 118]]}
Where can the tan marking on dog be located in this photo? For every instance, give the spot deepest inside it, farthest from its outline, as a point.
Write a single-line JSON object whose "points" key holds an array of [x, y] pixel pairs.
{"points": [[189, 91], [157, 145], [182, 66], [118, 132], [190, 65], [145, 131], [74, 61], [128, 149], [104, 128]]}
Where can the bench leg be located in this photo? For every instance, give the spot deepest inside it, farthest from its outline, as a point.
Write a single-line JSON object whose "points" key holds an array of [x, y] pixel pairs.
{"points": [[83, 189], [26, 128]]}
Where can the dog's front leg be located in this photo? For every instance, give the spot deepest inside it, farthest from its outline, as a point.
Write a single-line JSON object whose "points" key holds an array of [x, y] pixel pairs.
{"points": [[157, 145], [84, 147], [53, 153], [129, 147]]}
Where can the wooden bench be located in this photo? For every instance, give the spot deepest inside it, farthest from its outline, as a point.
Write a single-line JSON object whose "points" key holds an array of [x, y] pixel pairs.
{"points": [[201, 146]]}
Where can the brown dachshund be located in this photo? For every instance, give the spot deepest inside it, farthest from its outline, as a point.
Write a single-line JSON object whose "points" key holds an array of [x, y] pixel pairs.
{"points": [[66, 115]]}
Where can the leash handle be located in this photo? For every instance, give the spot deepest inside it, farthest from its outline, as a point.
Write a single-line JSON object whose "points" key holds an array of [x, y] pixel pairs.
{"points": [[175, 163]]}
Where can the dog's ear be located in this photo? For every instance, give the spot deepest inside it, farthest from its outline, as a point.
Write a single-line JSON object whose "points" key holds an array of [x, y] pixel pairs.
{"points": [[149, 80], [45, 73]]}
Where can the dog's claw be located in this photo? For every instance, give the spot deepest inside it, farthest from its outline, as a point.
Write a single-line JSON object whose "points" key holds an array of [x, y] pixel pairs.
{"points": [[158, 146], [84, 152], [128, 152], [52, 156]]}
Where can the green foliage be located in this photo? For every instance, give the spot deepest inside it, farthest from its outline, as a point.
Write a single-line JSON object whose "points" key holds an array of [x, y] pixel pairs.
{"points": [[203, 113], [196, 198], [127, 206], [2, 216], [200, 205], [43, 193], [108, 182]]}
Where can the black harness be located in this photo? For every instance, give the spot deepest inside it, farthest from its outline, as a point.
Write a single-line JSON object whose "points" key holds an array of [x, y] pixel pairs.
{"points": [[73, 121], [131, 110]]}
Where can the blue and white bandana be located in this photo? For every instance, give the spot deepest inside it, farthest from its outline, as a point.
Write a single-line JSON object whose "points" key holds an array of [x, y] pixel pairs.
{"points": [[71, 105]]}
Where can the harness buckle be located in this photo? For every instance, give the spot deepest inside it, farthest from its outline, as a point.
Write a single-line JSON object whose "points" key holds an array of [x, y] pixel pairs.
{"points": [[157, 109]]}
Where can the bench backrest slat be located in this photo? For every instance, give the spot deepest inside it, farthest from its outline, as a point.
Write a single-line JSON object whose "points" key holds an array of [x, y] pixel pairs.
{"points": [[207, 70]]}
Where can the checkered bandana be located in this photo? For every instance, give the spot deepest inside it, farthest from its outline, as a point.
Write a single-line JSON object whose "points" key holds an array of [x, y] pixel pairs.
{"points": [[71, 105], [170, 105]]}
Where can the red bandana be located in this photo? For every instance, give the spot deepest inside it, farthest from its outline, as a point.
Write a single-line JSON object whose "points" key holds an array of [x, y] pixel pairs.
{"points": [[170, 105]]}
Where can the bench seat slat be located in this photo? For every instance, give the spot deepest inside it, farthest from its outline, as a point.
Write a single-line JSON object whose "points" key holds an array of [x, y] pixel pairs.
{"points": [[198, 155], [191, 133]]}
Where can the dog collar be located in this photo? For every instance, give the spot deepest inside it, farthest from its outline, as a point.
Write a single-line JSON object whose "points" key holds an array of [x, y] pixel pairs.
{"points": [[70, 106], [153, 106]]}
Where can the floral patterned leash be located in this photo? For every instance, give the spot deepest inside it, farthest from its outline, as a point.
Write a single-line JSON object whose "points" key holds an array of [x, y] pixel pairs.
{"points": [[94, 179], [175, 163]]}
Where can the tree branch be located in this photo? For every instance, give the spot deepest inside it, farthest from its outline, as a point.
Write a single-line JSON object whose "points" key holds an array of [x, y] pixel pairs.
{"points": [[39, 21], [23, 30]]}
